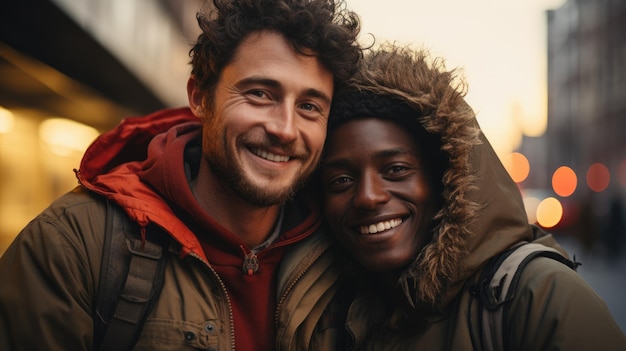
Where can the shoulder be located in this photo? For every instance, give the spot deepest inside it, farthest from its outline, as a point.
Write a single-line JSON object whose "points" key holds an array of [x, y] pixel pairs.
{"points": [[555, 306], [69, 231], [79, 216], [552, 287], [78, 212], [76, 203], [52, 269], [543, 273]]}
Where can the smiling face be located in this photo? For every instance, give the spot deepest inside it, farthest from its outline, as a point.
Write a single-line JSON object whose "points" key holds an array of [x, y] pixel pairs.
{"points": [[265, 130], [377, 196]]}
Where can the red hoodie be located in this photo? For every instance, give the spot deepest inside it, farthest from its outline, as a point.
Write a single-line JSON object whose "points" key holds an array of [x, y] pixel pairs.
{"points": [[141, 165]]}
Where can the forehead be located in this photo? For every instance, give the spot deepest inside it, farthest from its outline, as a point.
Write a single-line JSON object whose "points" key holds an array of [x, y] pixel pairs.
{"points": [[369, 135], [269, 54]]}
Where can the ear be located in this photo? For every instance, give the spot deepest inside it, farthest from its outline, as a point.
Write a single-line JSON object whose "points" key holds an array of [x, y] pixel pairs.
{"points": [[195, 97]]}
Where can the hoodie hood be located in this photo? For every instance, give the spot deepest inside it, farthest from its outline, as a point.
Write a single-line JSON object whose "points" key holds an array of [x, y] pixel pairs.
{"points": [[482, 213], [139, 159]]}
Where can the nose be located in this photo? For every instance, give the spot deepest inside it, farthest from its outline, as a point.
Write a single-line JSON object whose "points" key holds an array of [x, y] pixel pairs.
{"points": [[282, 125], [370, 192]]}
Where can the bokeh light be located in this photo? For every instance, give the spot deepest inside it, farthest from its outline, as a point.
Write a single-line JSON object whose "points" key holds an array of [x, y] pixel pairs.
{"points": [[6, 120], [516, 164], [549, 212], [564, 181], [63, 136], [598, 177]]}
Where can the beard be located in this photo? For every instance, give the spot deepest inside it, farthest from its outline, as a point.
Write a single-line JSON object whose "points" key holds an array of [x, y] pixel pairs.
{"points": [[235, 178], [230, 173], [220, 155]]}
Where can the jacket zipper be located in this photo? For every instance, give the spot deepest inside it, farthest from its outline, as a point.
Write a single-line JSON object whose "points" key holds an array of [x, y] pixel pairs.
{"points": [[293, 283], [230, 307], [311, 230]]}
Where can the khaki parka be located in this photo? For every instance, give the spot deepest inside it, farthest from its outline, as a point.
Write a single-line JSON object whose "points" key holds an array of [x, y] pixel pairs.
{"points": [[50, 273], [482, 215]]}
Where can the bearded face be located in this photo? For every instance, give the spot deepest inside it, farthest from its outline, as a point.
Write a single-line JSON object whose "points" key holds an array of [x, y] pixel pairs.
{"points": [[265, 130]]}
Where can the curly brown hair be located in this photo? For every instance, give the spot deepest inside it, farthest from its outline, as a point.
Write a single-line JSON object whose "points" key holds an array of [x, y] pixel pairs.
{"points": [[325, 27]]}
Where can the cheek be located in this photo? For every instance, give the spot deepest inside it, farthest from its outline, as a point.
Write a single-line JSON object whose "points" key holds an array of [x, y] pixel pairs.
{"points": [[417, 192], [209, 136], [314, 135], [415, 245], [329, 210], [334, 209]]}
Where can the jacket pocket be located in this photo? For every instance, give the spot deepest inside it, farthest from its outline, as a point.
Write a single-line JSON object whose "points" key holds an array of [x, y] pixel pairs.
{"points": [[165, 334]]}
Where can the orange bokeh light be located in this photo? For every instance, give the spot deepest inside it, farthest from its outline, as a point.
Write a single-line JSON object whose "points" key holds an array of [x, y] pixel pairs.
{"points": [[517, 166], [598, 177], [564, 181], [549, 212]]}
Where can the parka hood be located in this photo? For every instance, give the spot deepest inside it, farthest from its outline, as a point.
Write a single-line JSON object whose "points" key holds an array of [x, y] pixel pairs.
{"points": [[140, 159], [482, 213]]}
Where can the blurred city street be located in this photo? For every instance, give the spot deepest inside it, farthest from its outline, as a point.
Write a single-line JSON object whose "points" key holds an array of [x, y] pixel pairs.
{"points": [[607, 277]]}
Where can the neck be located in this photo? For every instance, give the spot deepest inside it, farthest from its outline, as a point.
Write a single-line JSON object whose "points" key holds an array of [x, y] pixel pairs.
{"points": [[252, 224]]}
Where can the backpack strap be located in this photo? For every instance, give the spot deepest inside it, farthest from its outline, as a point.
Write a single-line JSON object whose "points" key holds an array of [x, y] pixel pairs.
{"points": [[497, 287], [131, 276]]}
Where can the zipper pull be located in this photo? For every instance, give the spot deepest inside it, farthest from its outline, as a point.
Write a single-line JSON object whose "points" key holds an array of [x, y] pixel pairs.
{"points": [[250, 263]]}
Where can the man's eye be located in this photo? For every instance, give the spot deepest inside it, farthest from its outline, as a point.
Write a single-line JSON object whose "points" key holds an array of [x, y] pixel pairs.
{"points": [[340, 180], [257, 93], [309, 107], [398, 172], [397, 169], [337, 184]]}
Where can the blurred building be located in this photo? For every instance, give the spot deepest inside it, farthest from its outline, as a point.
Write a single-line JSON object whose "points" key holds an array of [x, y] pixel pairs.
{"points": [[581, 159], [70, 69], [586, 116]]}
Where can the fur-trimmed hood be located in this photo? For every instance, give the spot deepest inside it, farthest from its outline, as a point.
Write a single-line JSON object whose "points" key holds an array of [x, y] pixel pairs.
{"points": [[482, 213]]}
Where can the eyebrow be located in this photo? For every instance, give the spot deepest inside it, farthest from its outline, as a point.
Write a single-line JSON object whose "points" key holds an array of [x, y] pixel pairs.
{"points": [[273, 83], [345, 162], [314, 93], [393, 152], [340, 163]]}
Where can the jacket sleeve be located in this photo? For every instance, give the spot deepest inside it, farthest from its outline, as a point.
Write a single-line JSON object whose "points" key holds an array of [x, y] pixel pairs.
{"points": [[557, 310], [48, 286]]}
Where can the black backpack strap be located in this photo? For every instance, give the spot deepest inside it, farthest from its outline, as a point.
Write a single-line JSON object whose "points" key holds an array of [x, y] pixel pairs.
{"points": [[131, 277], [497, 286]]}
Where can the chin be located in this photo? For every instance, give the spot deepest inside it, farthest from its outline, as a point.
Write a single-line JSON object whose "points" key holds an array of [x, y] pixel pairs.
{"points": [[385, 263]]}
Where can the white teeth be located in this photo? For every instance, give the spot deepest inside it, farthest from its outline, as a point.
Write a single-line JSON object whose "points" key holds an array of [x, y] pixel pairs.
{"points": [[380, 226], [270, 156]]}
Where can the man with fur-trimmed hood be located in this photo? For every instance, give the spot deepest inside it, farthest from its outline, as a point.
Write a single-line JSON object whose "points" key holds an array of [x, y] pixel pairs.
{"points": [[420, 249]]}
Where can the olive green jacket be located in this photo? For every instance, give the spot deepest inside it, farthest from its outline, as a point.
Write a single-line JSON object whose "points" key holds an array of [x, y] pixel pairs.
{"points": [[51, 272], [50, 277]]}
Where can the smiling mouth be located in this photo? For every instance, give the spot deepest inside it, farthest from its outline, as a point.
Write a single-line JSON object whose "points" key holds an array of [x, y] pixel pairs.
{"points": [[380, 226], [269, 156]]}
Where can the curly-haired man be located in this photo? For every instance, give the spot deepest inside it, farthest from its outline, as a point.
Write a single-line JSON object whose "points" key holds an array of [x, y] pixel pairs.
{"points": [[245, 256]]}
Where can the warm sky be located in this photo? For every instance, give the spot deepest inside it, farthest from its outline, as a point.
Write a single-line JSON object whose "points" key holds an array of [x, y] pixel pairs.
{"points": [[499, 44]]}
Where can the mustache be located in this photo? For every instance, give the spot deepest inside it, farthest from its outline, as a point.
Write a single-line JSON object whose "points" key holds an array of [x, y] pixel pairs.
{"points": [[294, 149]]}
